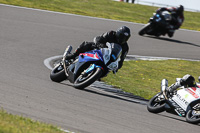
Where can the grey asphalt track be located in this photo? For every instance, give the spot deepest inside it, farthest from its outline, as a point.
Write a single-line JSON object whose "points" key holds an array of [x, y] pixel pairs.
{"points": [[28, 37]]}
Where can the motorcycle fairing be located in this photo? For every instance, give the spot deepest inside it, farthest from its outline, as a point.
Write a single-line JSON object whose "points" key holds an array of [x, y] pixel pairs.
{"points": [[157, 19], [83, 62], [91, 68], [114, 65], [184, 97], [114, 52], [93, 55], [70, 71], [193, 91], [194, 104], [106, 54], [175, 106], [75, 69]]}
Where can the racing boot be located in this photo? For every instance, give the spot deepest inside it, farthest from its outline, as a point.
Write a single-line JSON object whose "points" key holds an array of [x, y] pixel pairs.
{"points": [[71, 56]]}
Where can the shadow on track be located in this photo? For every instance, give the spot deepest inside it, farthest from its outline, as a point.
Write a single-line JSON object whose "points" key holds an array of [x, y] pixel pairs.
{"points": [[111, 95], [174, 40], [177, 118]]}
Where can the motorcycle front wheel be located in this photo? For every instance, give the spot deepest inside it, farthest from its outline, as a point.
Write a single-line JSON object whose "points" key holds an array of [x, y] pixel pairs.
{"points": [[156, 104], [58, 73], [144, 29], [193, 116], [85, 80]]}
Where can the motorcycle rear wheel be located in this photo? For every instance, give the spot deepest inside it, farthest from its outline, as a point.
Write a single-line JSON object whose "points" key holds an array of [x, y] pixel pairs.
{"points": [[156, 104], [83, 81], [193, 116], [58, 74]]}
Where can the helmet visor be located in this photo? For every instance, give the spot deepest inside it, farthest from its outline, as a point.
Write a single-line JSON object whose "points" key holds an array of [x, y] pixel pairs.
{"points": [[123, 37]]}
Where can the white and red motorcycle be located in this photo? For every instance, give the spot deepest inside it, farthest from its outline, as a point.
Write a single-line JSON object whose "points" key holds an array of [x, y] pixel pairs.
{"points": [[185, 102]]}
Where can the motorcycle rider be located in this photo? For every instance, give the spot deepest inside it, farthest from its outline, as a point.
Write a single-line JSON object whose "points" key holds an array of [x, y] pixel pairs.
{"points": [[120, 37], [186, 81], [177, 18]]}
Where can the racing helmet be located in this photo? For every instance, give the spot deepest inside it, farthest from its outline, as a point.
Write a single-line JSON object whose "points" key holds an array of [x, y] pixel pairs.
{"points": [[123, 34], [188, 80], [180, 10]]}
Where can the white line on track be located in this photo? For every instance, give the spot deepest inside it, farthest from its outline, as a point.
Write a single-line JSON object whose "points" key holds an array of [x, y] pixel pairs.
{"points": [[48, 61], [34, 9], [139, 57]]}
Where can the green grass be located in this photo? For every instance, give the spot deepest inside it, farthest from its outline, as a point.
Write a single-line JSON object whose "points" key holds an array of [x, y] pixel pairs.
{"points": [[104, 9], [17, 124], [143, 78]]}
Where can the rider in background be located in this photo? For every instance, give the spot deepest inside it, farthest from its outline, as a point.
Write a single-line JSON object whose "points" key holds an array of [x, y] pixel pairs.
{"points": [[186, 81], [177, 18], [120, 37]]}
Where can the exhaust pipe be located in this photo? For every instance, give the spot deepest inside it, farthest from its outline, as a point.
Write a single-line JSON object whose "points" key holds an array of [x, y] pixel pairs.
{"points": [[164, 85]]}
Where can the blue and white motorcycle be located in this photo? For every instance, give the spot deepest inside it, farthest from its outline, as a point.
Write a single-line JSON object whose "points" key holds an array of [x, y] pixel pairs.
{"points": [[87, 67]]}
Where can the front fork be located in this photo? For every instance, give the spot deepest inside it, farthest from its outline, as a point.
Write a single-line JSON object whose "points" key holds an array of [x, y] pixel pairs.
{"points": [[164, 85], [64, 61]]}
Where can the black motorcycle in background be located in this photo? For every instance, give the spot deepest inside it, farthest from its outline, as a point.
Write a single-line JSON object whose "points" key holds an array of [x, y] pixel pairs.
{"points": [[157, 24]]}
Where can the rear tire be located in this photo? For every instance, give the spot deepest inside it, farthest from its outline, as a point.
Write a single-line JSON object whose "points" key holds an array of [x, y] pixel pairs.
{"points": [[156, 104], [82, 82], [58, 74]]}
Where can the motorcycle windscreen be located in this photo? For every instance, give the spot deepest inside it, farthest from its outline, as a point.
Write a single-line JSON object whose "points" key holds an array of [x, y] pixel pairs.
{"points": [[116, 52]]}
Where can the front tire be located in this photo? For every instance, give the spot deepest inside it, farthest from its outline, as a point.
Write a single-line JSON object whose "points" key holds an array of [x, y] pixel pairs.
{"points": [[156, 104], [58, 74], [144, 29], [193, 116], [83, 81]]}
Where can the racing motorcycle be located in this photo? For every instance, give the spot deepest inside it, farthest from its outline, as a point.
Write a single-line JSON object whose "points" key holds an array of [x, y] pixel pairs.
{"points": [[157, 24], [87, 67], [185, 102]]}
